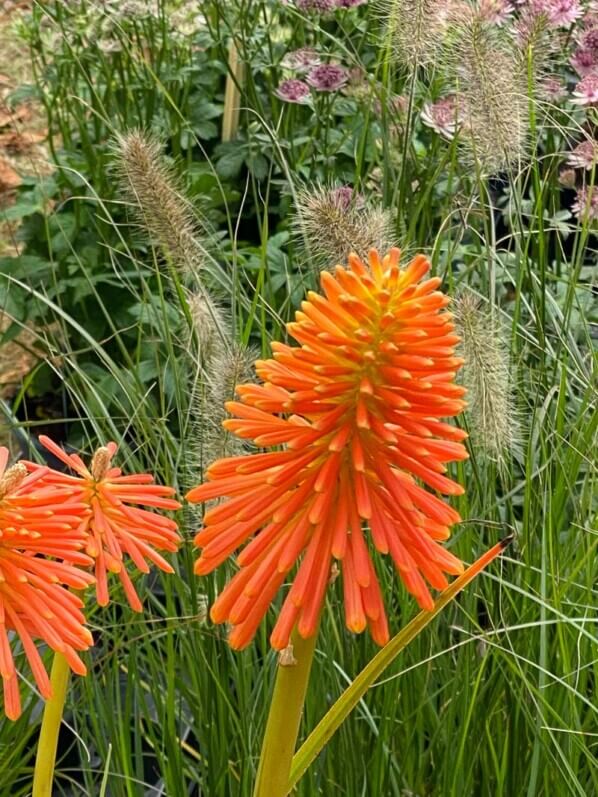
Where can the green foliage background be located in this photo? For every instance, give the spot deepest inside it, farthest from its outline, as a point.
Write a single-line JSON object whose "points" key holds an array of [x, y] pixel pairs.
{"points": [[499, 697]]}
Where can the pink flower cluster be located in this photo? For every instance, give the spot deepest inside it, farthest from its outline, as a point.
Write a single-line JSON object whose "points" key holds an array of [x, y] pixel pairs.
{"points": [[320, 77], [585, 61], [345, 197], [560, 13], [442, 116], [495, 11], [583, 156], [585, 206]]}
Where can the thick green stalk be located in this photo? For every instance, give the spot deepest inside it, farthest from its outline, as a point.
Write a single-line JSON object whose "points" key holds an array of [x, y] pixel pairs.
{"points": [[45, 760], [284, 719], [339, 712]]}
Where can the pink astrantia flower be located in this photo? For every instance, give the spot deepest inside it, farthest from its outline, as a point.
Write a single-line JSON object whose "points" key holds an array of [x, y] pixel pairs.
{"points": [[344, 197], [584, 61], [301, 60], [553, 89], [495, 11], [293, 91], [567, 178], [349, 3], [327, 77], [584, 155], [586, 91], [588, 39], [585, 206], [442, 116], [559, 12]]}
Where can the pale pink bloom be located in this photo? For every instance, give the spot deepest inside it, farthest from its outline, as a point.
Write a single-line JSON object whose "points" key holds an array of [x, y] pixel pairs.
{"points": [[293, 91], [585, 206], [588, 39], [345, 197], [349, 3], [584, 155], [495, 11], [442, 116], [327, 77], [567, 178], [559, 12], [301, 60], [586, 91], [584, 61], [553, 89]]}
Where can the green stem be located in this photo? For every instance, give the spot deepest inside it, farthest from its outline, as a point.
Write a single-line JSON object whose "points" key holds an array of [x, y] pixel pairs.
{"points": [[284, 719], [339, 712], [45, 760]]}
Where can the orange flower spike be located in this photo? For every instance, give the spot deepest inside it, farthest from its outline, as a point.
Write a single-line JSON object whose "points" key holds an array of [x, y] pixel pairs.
{"points": [[35, 523], [357, 406], [112, 524]]}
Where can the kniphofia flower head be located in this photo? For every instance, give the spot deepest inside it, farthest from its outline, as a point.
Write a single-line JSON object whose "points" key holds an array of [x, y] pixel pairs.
{"points": [[358, 407], [40, 549], [115, 523]]}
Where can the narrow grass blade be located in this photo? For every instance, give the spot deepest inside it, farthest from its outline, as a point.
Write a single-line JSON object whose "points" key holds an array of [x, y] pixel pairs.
{"points": [[334, 718]]}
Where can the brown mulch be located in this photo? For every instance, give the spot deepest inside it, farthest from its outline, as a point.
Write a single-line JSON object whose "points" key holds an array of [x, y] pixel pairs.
{"points": [[22, 152]]}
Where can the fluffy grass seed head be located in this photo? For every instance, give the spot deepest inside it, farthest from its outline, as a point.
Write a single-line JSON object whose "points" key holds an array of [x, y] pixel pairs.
{"points": [[357, 408], [330, 223], [41, 546], [232, 366], [486, 374], [151, 186], [413, 30], [485, 67], [219, 363]]}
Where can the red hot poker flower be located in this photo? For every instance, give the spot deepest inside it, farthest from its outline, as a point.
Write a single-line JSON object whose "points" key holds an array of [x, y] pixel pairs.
{"points": [[112, 525], [357, 406], [36, 523]]}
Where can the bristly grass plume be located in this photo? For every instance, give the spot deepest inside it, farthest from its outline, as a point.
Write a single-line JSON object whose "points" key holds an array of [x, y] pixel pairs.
{"points": [[215, 360], [330, 223], [153, 189], [219, 364], [490, 80], [414, 30], [486, 374]]}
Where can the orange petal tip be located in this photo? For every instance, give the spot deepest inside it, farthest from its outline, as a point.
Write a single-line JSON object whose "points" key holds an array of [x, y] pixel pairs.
{"points": [[194, 495]]}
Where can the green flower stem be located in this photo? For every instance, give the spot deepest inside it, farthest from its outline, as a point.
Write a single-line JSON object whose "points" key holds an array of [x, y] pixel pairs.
{"points": [[284, 719], [45, 760], [339, 712]]}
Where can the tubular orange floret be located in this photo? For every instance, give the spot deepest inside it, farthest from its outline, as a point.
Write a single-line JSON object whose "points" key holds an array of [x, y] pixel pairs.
{"points": [[358, 406], [40, 553], [113, 522]]}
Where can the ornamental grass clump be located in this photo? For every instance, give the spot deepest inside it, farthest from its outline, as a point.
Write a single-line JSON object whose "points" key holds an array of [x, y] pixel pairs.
{"points": [[211, 355]]}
